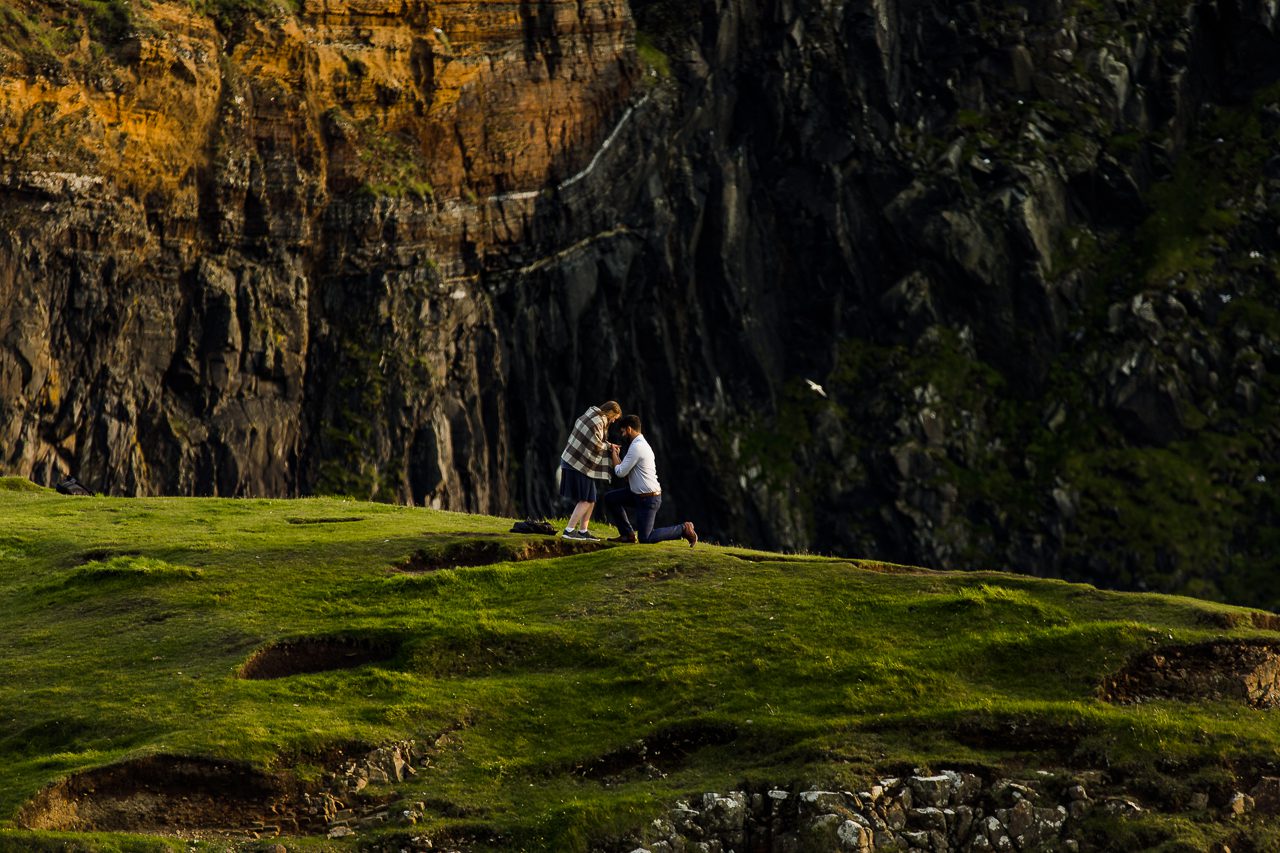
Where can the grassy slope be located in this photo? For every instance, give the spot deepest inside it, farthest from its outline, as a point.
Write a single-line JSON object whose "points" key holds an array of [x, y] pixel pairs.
{"points": [[829, 669]]}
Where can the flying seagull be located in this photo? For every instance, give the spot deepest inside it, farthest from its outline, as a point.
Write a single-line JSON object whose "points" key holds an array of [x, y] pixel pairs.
{"points": [[816, 387]]}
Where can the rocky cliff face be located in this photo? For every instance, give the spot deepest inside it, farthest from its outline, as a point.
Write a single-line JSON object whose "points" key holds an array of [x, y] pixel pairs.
{"points": [[225, 251], [1028, 252], [1024, 250]]}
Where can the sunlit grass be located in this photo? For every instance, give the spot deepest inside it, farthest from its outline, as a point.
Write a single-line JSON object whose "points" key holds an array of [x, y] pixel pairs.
{"points": [[127, 620]]}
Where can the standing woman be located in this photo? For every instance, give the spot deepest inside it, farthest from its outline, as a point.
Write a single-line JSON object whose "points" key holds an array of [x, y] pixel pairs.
{"points": [[585, 460]]}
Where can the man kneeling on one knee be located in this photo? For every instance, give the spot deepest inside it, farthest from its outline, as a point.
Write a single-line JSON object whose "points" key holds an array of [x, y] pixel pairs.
{"points": [[643, 494]]}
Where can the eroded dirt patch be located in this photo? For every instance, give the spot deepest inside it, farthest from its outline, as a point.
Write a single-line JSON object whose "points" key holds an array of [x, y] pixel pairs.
{"points": [[1256, 619], [661, 752], [317, 654], [1243, 671], [204, 797], [476, 551], [166, 793]]}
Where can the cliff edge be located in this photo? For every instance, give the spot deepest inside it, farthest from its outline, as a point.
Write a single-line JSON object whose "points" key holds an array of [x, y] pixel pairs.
{"points": [[1027, 251]]}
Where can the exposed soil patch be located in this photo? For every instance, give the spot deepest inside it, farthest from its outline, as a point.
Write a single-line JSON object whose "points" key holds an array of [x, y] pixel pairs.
{"points": [[1257, 619], [341, 520], [661, 752], [166, 793], [1244, 671], [172, 794], [474, 551], [317, 654]]}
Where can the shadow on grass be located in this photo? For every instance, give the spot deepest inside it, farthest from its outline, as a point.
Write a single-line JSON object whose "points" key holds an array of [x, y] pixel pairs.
{"points": [[665, 750]]}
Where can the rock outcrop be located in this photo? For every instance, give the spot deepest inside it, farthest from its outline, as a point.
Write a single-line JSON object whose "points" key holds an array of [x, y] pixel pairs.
{"points": [[1246, 672], [1025, 253], [951, 811]]}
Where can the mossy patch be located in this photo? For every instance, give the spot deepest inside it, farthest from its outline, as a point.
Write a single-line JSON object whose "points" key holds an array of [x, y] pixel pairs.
{"points": [[652, 57], [386, 163]]}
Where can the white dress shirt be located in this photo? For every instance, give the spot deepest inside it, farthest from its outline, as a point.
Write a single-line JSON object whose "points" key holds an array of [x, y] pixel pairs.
{"points": [[639, 467]]}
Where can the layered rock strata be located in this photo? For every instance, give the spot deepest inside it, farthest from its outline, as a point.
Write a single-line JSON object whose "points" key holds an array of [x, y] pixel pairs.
{"points": [[223, 252]]}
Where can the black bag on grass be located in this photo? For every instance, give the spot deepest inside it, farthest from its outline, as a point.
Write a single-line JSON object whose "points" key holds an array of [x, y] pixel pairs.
{"points": [[71, 486], [530, 525]]}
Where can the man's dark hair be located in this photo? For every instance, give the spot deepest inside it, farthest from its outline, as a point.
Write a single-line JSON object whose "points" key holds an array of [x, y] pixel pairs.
{"points": [[632, 421]]}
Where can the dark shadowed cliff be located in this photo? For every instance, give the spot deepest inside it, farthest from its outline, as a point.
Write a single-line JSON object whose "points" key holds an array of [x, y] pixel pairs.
{"points": [[1028, 251]]}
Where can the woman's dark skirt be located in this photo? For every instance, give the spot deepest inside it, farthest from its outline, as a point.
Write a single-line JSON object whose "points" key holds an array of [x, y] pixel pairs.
{"points": [[575, 485]]}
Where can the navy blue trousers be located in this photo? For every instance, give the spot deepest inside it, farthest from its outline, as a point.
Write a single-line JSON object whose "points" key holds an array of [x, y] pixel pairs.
{"points": [[618, 501]]}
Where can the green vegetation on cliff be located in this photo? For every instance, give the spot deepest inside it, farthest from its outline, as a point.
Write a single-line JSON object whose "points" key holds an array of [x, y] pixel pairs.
{"points": [[526, 671]]}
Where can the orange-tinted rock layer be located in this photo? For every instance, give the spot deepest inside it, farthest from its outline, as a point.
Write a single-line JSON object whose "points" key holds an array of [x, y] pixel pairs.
{"points": [[203, 231]]}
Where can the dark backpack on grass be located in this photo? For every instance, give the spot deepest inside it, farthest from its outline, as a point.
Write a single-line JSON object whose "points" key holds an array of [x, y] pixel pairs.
{"points": [[530, 525], [71, 486]]}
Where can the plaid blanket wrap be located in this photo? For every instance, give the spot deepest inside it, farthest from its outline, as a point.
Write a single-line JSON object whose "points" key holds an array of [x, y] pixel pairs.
{"points": [[587, 450]]}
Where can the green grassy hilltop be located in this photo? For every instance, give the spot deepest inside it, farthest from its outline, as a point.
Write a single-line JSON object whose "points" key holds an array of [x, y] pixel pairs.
{"points": [[562, 694]]}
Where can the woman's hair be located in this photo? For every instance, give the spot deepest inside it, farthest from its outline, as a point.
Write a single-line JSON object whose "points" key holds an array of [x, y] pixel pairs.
{"points": [[610, 408]]}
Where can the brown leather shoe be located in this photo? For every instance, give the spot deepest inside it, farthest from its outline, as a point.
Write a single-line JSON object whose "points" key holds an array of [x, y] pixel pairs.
{"points": [[689, 534], [628, 539]]}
